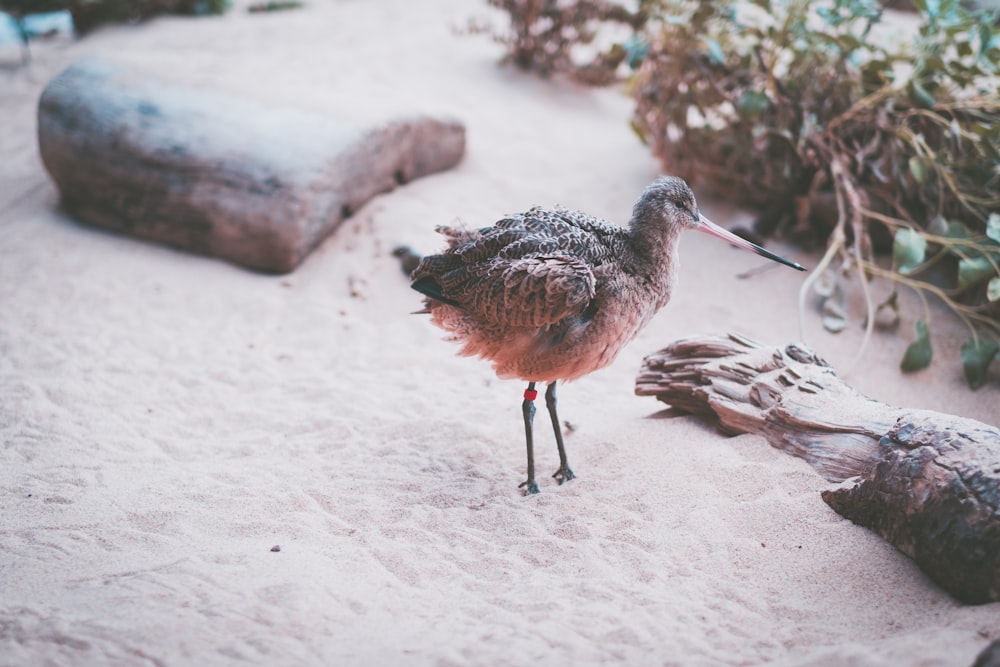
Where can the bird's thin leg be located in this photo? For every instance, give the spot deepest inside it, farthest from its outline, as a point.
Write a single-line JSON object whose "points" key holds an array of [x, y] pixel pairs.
{"points": [[528, 409], [564, 474]]}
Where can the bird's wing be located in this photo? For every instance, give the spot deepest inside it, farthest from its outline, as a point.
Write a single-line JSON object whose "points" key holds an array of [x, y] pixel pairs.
{"points": [[531, 291], [564, 231], [529, 269]]}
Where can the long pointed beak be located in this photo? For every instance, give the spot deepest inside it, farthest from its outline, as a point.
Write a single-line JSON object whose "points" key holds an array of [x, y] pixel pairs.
{"points": [[713, 229]]}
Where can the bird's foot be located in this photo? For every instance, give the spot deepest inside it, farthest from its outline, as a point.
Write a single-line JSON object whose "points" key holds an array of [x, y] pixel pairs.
{"points": [[530, 487], [564, 474]]}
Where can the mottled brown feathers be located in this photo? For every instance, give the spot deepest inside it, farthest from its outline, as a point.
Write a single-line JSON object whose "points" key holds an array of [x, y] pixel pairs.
{"points": [[551, 294], [539, 292], [529, 270]]}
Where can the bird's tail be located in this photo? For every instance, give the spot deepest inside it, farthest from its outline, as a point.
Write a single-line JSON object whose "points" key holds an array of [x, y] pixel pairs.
{"points": [[430, 287]]}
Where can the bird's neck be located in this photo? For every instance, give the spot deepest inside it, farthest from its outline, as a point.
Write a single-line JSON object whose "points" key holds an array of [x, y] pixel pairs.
{"points": [[655, 245]]}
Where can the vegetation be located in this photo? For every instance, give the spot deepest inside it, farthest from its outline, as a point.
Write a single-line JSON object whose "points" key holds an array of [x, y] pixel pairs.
{"points": [[544, 34], [273, 6], [848, 136], [88, 14]]}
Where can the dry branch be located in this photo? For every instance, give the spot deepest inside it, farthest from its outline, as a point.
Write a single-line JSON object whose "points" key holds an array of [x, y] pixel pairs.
{"points": [[927, 482]]}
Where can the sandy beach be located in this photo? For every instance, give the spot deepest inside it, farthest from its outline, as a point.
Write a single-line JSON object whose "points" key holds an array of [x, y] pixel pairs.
{"points": [[167, 419]]}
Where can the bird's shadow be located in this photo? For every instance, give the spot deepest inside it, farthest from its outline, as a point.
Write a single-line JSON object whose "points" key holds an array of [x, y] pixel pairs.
{"points": [[669, 412], [701, 421]]}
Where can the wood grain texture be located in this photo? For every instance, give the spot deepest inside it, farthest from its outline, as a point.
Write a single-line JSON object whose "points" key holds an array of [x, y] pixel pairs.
{"points": [[927, 482]]}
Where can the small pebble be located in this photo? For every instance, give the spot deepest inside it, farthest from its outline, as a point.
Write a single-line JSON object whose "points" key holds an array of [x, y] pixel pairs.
{"points": [[276, 547]]}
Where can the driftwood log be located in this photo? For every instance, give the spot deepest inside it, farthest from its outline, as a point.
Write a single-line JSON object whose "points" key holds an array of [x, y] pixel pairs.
{"points": [[219, 175], [927, 482]]}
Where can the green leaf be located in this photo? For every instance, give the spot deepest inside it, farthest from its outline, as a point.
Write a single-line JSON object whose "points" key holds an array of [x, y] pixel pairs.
{"points": [[919, 95], [753, 103], [993, 227], [973, 270], [993, 289], [636, 51], [715, 53], [933, 9], [918, 354], [827, 283], [848, 42], [908, 250], [639, 132], [891, 304], [938, 226], [956, 230], [976, 358], [918, 168], [834, 311]]}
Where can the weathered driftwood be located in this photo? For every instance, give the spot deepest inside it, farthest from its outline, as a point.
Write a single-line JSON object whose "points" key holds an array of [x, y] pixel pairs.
{"points": [[927, 482], [216, 174]]}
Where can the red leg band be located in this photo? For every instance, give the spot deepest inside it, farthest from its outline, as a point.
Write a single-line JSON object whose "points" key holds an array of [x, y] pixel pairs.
{"points": [[530, 394]]}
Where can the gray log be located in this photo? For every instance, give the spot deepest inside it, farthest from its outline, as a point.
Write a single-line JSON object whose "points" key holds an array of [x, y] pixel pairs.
{"points": [[219, 175], [927, 482]]}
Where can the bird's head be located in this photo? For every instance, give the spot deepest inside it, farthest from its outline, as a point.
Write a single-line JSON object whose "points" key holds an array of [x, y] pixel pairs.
{"points": [[669, 204], [668, 201]]}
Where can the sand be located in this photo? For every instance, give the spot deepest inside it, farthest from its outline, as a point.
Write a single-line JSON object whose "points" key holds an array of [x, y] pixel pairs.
{"points": [[167, 419]]}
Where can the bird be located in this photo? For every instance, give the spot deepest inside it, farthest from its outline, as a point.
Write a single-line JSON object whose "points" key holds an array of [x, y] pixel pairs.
{"points": [[553, 294]]}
